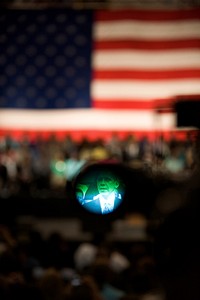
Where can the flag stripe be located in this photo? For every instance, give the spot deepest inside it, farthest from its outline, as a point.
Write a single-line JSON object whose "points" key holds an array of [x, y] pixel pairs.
{"points": [[148, 15], [147, 44], [161, 105], [136, 104], [105, 74], [133, 89], [134, 59], [132, 29], [86, 119]]}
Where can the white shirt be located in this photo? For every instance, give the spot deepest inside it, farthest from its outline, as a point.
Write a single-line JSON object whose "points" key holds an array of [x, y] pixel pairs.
{"points": [[109, 201]]}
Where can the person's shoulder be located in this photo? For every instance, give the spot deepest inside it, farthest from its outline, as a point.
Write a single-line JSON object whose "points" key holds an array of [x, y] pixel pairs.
{"points": [[97, 197], [87, 202]]}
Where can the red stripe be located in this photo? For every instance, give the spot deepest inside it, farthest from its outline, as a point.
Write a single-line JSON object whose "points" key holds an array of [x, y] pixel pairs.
{"points": [[78, 135], [133, 104], [146, 15], [146, 74], [187, 97], [146, 45], [161, 105]]}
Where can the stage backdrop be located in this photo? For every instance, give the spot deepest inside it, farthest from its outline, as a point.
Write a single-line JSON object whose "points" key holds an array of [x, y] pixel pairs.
{"points": [[92, 73]]}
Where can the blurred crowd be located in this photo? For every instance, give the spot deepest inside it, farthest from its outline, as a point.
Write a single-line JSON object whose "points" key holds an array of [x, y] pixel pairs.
{"points": [[32, 267], [30, 166]]}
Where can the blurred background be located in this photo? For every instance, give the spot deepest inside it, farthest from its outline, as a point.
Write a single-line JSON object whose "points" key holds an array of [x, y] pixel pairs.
{"points": [[85, 82]]}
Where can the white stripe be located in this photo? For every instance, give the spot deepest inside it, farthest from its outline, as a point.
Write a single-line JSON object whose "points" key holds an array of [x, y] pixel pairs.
{"points": [[147, 30], [146, 90], [170, 59], [85, 119]]}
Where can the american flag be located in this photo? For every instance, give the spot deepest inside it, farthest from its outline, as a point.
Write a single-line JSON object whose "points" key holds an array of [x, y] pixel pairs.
{"points": [[92, 73]]}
